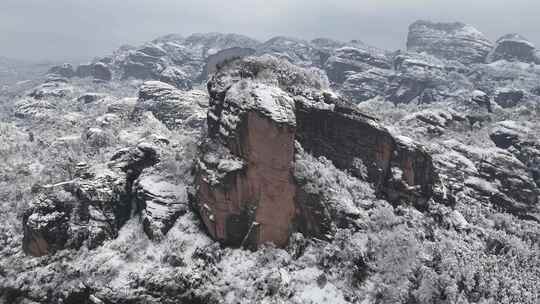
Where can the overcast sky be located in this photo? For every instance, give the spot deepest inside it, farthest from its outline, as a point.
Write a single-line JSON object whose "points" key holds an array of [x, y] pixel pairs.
{"points": [[81, 29]]}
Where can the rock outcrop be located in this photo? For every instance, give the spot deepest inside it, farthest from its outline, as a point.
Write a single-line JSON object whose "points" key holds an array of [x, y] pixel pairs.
{"points": [[89, 209], [492, 175], [452, 41], [509, 97], [294, 50], [177, 109], [259, 107], [254, 201], [176, 77], [52, 88], [161, 203], [425, 78], [349, 138], [513, 47], [100, 71], [64, 70], [519, 139], [365, 85], [177, 60], [352, 59]]}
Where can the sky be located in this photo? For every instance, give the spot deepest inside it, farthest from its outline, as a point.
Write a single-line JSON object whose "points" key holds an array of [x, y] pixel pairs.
{"points": [[79, 30]]}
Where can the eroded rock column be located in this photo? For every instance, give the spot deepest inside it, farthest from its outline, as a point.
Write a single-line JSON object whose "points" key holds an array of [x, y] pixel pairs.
{"points": [[246, 191]]}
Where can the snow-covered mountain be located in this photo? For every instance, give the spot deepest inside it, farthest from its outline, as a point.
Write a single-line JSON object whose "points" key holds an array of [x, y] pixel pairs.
{"points": [[215, 168]]}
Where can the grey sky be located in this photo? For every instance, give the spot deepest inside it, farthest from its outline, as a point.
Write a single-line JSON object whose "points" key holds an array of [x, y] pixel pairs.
{"points": [[78, 29]]}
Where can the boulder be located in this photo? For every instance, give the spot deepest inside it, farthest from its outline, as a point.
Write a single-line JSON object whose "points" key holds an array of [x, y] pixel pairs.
{"points": [[453, 41], [513, 47]]}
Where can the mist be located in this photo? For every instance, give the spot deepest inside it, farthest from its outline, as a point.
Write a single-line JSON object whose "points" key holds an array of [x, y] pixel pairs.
{"points": [[79, 30]]}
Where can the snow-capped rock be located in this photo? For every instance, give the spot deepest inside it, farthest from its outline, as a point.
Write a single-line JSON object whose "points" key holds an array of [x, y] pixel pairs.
{"points": [[262, 104], [426, 78], [51, 89], [176, 77], [366, 85], [296, 51], [513, 47], [161, 203], [33, 108], [351, 59], [177, 109], [452, 41], [89, 209]]}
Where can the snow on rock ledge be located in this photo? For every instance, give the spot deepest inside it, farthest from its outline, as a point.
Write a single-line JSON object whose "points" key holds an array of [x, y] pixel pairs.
{"points": [[259, 108]]}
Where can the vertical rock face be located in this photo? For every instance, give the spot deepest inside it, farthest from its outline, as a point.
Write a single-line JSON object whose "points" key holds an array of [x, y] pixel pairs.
{"points": [[343, 136], [247, 198], [349, 138], [259, 107], [452, 41]]}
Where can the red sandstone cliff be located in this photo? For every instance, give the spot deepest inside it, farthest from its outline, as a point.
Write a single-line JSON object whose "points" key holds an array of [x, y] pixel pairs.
{"points": [[259, 107]]}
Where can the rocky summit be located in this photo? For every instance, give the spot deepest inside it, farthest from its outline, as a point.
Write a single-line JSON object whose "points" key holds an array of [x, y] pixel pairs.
{"points": [[215, 168], [452, 41]]}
